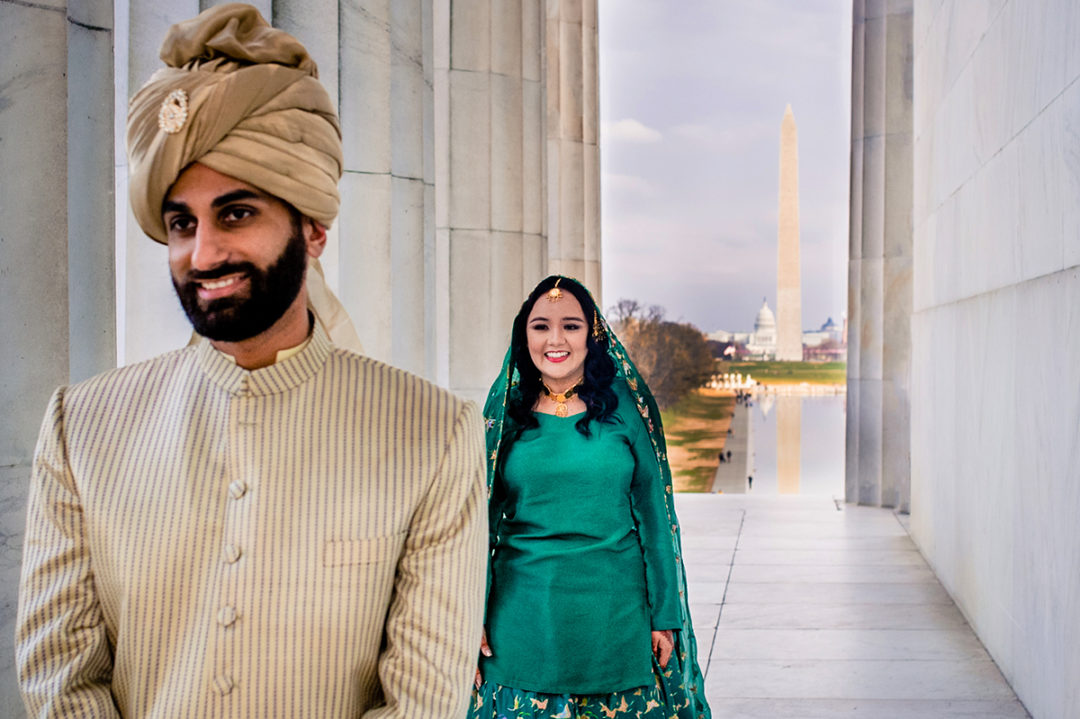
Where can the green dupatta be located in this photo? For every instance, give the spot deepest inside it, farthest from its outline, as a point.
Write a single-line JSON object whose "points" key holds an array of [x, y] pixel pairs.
{"points": [[494, 420]]}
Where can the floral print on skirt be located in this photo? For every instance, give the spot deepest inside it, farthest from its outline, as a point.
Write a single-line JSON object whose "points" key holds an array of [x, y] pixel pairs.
{"points": [[664, 699]]}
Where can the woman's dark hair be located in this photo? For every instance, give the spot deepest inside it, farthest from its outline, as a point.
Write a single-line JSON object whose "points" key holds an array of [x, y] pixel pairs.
{"points": [[595, 389]]}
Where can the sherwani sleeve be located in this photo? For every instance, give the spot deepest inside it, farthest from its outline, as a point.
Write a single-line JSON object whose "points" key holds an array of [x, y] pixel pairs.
{"points": [[434, 621], [62, 651]]}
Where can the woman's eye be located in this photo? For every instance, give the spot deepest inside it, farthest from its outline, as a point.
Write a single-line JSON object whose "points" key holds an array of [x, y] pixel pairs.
{"points": [[572, 327], [540, 328]]}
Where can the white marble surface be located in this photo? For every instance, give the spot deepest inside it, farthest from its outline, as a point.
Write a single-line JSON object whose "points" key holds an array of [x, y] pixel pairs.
{"points": [[866, 709], [833, 613], [994, 443]]}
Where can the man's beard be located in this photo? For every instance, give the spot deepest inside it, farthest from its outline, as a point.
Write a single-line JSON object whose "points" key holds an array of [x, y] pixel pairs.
{"points": [[236, 318]]}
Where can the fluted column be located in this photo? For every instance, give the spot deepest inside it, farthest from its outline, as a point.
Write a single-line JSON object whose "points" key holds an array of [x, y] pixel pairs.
{"points": [[56, 229], [897, 259], [33, 266], [386, 227], [872, 247], [880, 286], [490, 246], [149, 318], [858, 57], [573, 168]]}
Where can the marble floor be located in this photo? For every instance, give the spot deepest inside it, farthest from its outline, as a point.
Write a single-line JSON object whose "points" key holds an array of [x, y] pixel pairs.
{"points": [[807, 609]]}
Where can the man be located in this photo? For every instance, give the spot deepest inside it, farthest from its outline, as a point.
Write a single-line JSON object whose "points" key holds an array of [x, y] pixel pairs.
{"points": [[261, 524]]}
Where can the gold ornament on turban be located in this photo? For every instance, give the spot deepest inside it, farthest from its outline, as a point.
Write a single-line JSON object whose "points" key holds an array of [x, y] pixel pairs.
{"points": [[244, 99]]}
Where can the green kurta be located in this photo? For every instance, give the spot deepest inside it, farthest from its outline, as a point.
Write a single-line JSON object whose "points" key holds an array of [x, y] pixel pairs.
{"points": [[582, 567]]}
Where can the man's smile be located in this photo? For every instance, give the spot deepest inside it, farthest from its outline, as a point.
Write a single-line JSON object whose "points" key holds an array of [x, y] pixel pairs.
{"points": [[219, 286]]}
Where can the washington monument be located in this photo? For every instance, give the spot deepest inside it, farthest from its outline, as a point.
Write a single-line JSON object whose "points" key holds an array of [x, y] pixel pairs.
{"points": [[788, 286]]}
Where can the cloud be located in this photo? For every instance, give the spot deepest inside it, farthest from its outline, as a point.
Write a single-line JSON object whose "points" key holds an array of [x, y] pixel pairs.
{"points": [[721, 137], [633, 185], [630, 130]]}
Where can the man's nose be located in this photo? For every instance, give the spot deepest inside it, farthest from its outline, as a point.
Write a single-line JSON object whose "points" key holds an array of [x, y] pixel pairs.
{"points": [[209, 250]]}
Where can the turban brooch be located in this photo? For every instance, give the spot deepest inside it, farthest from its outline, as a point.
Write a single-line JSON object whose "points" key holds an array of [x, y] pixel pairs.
{"points": [[244, 99]]}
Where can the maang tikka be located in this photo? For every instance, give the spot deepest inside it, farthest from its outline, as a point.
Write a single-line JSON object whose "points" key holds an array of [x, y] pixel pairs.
{"points": [[555, 294]]}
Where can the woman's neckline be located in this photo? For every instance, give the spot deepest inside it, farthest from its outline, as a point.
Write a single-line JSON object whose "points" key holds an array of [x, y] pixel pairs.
{"points": [[552, 414]]}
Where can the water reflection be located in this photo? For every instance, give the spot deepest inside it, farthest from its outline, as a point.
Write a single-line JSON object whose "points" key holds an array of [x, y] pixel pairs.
{"points": [[797, 445]]}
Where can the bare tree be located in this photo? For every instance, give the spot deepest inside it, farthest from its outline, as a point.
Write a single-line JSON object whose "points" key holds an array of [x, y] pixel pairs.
{"points": [[674, 358]]}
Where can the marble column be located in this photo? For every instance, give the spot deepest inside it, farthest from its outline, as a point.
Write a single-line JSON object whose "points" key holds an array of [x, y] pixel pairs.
{"points": [[872, 237], [880, 299], [573, 151], [33, 265], [56, 225], [490, 242], [149, 318], [851, 464], [897, 259], [90, 201], [386, 228]]}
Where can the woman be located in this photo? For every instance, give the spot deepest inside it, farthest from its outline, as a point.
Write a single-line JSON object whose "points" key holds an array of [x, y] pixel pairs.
{"points": [[586, 612]]}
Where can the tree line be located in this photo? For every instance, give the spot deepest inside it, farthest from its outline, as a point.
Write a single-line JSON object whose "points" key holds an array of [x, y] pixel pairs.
{"points": [[673, 357]]}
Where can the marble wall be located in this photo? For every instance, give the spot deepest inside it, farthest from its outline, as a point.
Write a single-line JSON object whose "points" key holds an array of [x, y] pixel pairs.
{"points": [[995, 448], [471, 171]]}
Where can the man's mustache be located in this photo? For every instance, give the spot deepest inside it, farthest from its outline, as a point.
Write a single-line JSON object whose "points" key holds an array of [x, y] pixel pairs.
{"points": [[220, 271]]}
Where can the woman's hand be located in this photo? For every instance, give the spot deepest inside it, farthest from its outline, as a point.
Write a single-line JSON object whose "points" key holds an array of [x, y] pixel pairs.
{"points": [[663, 643], [486, 651]]}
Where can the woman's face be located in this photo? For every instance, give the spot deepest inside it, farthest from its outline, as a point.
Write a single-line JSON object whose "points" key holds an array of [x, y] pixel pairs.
{"points": [[556, 333]]}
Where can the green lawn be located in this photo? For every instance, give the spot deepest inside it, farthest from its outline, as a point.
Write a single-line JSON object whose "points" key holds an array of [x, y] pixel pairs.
{"points": [[789, 372], [692, 427]]}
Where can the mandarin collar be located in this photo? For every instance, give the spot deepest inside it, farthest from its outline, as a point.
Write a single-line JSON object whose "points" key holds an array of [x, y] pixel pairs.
{"points": [[279, 377]]}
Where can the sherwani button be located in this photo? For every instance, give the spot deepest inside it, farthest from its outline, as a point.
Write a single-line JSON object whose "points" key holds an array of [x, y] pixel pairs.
{"points": [[226, 616], [237, 489], [232, 553], [223, 684]]}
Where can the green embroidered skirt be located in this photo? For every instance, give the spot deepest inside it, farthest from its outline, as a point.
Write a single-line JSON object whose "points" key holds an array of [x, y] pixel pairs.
{"points": [[664, 699]]}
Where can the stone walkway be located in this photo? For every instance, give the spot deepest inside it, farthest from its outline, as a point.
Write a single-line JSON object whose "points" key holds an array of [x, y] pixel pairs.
{"points": [[731, 475], [807, 610]]}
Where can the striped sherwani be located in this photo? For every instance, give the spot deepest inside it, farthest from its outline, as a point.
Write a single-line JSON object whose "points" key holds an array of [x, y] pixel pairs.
{"points": [[305, 540]]}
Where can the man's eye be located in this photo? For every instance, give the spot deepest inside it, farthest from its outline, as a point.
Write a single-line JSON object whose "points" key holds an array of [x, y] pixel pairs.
{"points": [[236, 214], [181, 223]]}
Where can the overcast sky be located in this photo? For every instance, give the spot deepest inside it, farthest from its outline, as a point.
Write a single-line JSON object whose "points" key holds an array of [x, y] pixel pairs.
{"points": [[692, 93]]}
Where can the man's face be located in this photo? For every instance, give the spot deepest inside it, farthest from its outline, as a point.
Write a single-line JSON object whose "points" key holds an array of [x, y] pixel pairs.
{"points": [[237, 255]]}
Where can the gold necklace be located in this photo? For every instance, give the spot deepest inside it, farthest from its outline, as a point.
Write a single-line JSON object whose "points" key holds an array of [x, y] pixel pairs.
{"points": [[560, 399]]}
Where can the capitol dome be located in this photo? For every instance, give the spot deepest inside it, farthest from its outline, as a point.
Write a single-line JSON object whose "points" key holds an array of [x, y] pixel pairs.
{"points": [[765, 318]]}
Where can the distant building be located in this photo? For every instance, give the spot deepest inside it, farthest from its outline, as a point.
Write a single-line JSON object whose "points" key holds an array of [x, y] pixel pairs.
{"points": [[829, 331], [825, 343], [759, 344]]}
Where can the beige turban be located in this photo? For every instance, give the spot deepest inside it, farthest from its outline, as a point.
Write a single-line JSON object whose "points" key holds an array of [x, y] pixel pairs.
{"points": [[244, 99]]}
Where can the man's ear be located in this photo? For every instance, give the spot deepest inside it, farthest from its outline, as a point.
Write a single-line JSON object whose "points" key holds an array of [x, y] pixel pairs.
{"points": [[314, 237]]}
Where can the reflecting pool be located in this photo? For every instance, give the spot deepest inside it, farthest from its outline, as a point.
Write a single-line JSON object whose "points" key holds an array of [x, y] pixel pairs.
{"points": [[797, 445]]}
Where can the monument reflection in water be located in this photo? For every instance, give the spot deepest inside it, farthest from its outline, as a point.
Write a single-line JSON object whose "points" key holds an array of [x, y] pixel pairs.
{"points": [[797, 445]]}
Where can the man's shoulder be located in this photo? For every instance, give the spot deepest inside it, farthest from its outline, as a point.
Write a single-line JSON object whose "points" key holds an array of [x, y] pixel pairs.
{"points": [[129, 378]]}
